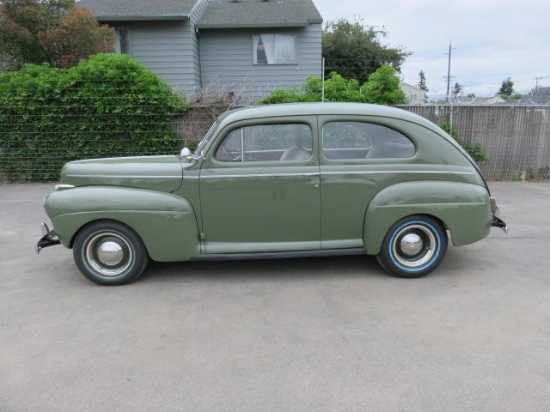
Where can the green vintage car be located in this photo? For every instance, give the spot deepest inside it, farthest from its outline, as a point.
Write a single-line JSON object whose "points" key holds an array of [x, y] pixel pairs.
{"points": [[278, 181]]}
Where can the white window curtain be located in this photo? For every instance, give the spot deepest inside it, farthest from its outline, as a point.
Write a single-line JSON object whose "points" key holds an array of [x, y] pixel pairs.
{"points": [[274, 49]]}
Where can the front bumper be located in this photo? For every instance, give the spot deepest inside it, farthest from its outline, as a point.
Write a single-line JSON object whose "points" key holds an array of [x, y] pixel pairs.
{"points": [[49, 238], [498, 222]]}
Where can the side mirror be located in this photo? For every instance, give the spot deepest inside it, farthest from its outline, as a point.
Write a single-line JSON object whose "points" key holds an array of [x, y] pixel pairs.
{"points": [[185, 152]]}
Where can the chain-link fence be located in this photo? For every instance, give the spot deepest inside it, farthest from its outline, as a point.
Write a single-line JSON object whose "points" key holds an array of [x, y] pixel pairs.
{"points": [[517, 139]]}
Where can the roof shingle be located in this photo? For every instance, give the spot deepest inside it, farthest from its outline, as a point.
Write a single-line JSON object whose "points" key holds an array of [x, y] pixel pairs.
{"points": [[113, 10], [222, 14]]}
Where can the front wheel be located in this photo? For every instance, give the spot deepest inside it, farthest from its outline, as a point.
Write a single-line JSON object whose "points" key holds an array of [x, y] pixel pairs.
{"points": [[109, 253], [413, 247]]}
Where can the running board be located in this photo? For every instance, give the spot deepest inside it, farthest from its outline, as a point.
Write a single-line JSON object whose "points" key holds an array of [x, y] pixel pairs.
{"points": [[279, 255]]}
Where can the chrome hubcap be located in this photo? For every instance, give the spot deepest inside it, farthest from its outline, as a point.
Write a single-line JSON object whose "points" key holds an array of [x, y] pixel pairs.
{"points": [[411, 244], [109, 254], [414, 246]]}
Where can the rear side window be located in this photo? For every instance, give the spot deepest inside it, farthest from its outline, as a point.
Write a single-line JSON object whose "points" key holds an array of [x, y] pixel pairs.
{"points": [[360, 140]]}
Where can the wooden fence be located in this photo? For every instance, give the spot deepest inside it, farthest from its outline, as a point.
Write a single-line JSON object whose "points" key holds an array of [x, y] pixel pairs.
{"points": [[517, 138]]}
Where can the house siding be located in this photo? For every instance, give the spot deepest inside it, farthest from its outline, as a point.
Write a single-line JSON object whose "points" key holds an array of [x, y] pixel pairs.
{"points": [[168, 48], [226, 57], [414, 95]]}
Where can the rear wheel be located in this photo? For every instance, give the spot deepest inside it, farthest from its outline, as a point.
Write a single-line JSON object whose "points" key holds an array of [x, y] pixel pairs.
{"points": [[109, 253], [413, 247]]}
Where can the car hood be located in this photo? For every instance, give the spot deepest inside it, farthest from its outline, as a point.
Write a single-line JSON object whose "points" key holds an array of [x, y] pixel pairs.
{"points": [[162, 173]]}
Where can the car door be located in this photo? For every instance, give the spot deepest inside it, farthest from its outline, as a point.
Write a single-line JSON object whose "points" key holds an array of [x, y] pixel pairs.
{"points": [[359, 156], [260, 188]]}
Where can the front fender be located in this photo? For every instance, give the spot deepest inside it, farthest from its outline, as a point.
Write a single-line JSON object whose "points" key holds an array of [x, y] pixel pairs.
{"points": [[165, 222], [463, 208]]}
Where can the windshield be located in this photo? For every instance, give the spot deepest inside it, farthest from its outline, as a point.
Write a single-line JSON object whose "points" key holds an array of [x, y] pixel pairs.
{"points": [[206, 140]]}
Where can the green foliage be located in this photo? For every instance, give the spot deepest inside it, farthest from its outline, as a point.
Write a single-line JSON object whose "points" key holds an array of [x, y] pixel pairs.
{"points": [[355, 50], [475, 150], [108, 105], [422, 81], [506, 88], [57, 32], [281, 95], [516, 176], [450, 130], [382, 88], [507, 92]]}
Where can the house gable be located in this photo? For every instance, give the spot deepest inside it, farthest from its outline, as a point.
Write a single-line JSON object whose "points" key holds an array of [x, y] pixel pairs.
{"points": [[250, 47], [193, 44]]}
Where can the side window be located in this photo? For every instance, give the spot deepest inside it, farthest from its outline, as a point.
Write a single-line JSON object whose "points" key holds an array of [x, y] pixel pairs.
{"points": [[274, 49], [359, 140], [270, 142]]}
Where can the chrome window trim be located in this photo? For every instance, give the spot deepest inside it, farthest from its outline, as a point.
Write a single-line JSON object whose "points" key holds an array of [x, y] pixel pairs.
{"points": [[327, 173], [126, 177]]}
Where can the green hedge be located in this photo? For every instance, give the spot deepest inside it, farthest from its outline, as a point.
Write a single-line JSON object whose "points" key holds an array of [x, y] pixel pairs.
{"points": [[381, 88], [108, 105]]}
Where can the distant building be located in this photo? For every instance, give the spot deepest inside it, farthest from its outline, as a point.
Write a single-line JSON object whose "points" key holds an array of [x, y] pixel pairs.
{"points": [[414, 94], [472, 101], [539, 97]]}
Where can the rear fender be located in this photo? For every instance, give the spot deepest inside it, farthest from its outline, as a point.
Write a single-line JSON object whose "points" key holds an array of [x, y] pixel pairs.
{"points": [[462, 208], [165, 222]]}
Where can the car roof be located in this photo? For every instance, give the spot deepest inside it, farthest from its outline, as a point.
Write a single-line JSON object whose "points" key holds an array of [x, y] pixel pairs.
{"points": [[308, 109]]}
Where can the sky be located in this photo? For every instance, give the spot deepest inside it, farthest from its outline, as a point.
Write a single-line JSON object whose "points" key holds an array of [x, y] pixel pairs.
{"points": [[491, 39]]}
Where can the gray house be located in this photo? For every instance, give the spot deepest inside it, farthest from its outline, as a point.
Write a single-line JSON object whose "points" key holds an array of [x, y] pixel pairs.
{"points": [[247, 47], [538, 97]]}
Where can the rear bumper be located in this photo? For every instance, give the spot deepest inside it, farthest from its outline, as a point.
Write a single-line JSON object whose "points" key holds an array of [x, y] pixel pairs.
{"points": [[498, 222], [49, 238]]}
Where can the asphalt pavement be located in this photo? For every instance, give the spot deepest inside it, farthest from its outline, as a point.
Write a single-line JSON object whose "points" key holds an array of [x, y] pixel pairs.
{"points": [[324, 334]]}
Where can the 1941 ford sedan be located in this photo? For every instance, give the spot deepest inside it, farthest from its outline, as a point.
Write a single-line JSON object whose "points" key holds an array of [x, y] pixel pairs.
{"points": [[278, 181]]}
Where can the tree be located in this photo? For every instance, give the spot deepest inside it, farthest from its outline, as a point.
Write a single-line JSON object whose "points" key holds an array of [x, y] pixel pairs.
{"points": [[507, 91], [57, 32], [457, 89], [383, 87], [355, 50], [506, 88], [422, 82]]}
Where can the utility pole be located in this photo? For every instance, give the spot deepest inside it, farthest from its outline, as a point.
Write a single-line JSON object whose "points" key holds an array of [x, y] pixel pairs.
{"points": [[449, 74], [449, 88], [323, 81]]}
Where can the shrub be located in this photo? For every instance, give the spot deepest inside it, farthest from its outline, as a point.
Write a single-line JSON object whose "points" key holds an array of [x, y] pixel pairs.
{"points": [[108, 105], [475, 150], [381, 88]]}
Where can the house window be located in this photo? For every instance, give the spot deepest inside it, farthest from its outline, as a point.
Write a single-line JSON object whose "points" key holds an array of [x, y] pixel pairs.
{"points": [[122, 41], [274, 49]]}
